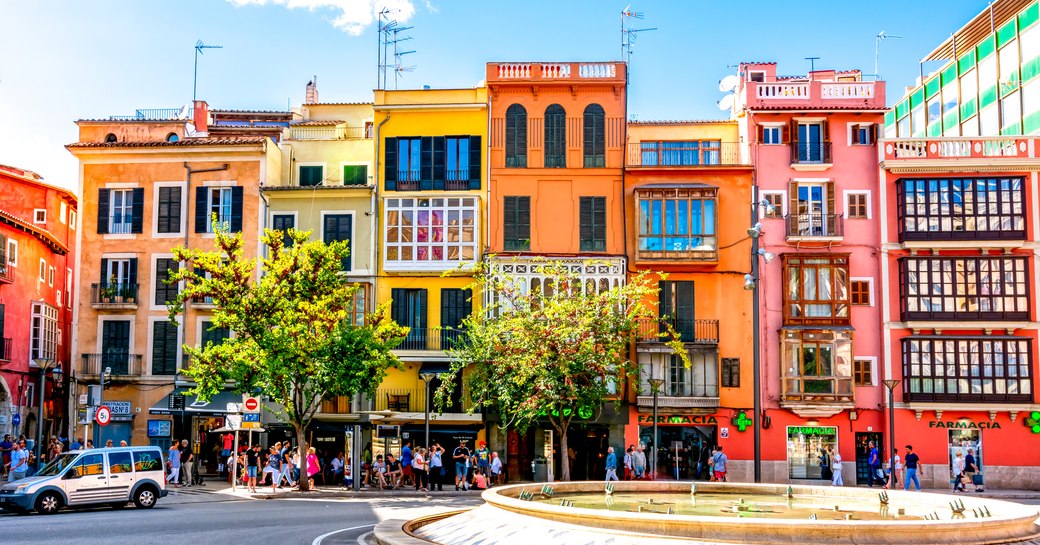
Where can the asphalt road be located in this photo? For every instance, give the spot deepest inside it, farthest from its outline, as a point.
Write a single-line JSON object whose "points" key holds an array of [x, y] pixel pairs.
{"points": [[212, 518]]}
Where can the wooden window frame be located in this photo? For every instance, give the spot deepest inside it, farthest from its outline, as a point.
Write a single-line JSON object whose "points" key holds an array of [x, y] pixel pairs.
{"points": [[857, 210], [838, 267], [860, 376], [864, 296]]}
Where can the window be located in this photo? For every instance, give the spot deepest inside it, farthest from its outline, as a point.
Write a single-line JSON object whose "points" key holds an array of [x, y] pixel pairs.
{"points": [[700, 379], [775, 210], [68, 288], [311, 175], [456, 305], [555, 147], [88, 465], [120, 210], [856, 205], [369, 129], [337, 228], [284, 222], [863, 135], [360, 308], [72, 220], [816, 289], [40, 215], [222, 202], [859, 292], [43, 270], [165, 292], [804, 445], [817, 365], [408, 160], [961, 209], [680, 153], [213, 335], [756, 75], [964, 288], [812, 143], [595, 139], [675, 308], [811, 211], [592, 218], [433, 162], [50, 276], [772, 135], [967, 369], [164, 347], [458, 161], [172, 137], [677, 222], [12, 252], [408, 308], [355, 174], [110, 138], [516, 230], [863, 372], [147, 460], [731, 372], [118, 281], [63, 210], [168, 216], [44, 340], [430, 233], [516, 136]]}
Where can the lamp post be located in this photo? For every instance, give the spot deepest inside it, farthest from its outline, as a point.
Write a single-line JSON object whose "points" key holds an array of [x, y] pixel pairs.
{"points": [[891, 385], [427, 378], [751, 282], [655, 387], [44, 365]]}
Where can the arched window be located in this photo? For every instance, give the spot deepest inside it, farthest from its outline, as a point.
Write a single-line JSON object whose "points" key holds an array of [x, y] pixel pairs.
{"points": [[595, 140], [109, 138], [516, 136], [555, 137], [172, 137]]}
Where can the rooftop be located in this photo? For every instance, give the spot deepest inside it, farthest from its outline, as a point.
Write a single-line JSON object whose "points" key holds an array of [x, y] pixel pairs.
{"points": [[42, 235], [187, 142]]}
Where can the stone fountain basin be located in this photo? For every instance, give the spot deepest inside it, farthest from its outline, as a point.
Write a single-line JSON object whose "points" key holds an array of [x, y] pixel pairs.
{"points": [[507, 519]]}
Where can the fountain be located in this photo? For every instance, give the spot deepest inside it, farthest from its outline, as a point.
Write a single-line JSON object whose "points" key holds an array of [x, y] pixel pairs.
{"points": [[645, 512]]}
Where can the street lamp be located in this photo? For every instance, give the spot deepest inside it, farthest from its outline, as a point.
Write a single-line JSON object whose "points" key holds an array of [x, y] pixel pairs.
{"points": [[891, 385], [44, 365], [427, 378], [655, 387]]}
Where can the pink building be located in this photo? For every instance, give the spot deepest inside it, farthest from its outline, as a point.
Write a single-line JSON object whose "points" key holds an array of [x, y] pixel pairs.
{"points": [[812, 140]]}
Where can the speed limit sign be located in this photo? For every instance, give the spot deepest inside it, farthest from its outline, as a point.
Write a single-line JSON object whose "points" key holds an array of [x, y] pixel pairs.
{"points": [[103, 415]]}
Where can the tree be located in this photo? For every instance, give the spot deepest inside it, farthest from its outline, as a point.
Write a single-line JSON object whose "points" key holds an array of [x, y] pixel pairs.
{"points": [[553, 352], [293, 338]]}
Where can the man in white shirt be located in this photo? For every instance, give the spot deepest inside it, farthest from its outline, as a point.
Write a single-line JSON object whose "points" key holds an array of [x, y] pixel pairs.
{"points": [[337, 468], [19, 462]]}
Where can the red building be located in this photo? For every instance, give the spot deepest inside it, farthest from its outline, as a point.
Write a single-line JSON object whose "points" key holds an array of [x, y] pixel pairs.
{"points": [[37, 236]]}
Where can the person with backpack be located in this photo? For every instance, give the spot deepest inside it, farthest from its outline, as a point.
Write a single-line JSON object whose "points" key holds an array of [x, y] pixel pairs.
{"points": [[719, 462]]}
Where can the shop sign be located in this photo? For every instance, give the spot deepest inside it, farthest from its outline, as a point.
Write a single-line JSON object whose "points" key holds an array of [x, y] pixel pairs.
{"points": [[584, 413], [965, 424], [742, 422], [1033, 422], [678, 419], [119, 407], [811, 430]]}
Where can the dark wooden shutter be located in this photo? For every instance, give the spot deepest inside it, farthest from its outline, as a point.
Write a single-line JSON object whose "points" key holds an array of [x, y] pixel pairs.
{"points": [[236, 209], [426, 163], [390, 163], [599, 222], [664, 303], [104, 204], [825, 135], [585, 223], [873, 133], [760, 133], [509, 223], [422, 309], [398, 306], [137, 207], [785, 134], [2, 315], [474, 162], [684, 310], [855, 134], [169, 210], [201, 211], [162, 274], [104, 272], [440, 159], [164, 348], [338, 228], [131, 278]]}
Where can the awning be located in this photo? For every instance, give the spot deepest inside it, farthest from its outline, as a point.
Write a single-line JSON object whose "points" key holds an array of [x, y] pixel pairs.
{"points": [[217, 405], [439, 367]]}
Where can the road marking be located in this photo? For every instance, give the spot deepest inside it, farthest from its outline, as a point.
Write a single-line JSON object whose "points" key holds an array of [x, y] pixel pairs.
{"points": [[361, 538], [318, 540]]}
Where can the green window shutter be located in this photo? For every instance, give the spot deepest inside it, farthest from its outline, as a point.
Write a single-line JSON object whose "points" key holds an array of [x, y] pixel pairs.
{"points": [[137, 209], [164, 348], [169, 220], [440, 160], [664, 303], [236, 209], [475, 150], [284, 222], [684, 310], [555, 144], [104, 205], [398, 306], [509, 212], [516, 136], [338, 228], [426, 163], [201, 210], [585, 227], [390, 163], [355, 175], [311, 175]]}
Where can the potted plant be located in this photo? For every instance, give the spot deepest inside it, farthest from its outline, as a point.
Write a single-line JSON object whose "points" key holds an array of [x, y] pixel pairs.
{"points": [[113, 286], [108, 291]]}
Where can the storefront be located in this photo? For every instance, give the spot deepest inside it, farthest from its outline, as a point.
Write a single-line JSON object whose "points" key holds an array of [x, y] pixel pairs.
{"points": [[684, 444], [193, 419], [809, 450]]}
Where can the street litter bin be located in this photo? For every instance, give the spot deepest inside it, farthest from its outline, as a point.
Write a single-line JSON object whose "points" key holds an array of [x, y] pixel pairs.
{"points": [[540, 468]]}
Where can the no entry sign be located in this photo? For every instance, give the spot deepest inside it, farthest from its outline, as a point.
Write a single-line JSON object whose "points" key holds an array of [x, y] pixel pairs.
{"points": [[103, 415], [251, 405]]}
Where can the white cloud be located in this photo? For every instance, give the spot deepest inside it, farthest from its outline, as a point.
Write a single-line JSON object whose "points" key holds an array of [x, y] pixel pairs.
{"points": [[350, 16]]}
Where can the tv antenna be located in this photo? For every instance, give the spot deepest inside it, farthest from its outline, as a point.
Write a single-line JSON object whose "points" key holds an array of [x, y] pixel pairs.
{"points": [[629, 33], [390, 38], [812, 65], [877, 42], [199, 46]]}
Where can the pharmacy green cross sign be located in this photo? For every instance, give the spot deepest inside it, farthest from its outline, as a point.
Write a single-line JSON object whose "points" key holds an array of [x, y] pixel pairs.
{"points": [[1033, 422], [742, 422]]}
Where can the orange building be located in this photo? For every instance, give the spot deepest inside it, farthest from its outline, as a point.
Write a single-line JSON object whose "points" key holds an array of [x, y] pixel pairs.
{"points": [[557, 165], [687, 200]]}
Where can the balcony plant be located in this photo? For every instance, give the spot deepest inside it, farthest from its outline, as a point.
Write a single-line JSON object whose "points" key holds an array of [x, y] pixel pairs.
{"points": [[109, 290]]}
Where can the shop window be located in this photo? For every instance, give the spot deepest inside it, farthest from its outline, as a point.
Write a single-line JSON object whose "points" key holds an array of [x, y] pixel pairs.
{"points": [[806, 448]]}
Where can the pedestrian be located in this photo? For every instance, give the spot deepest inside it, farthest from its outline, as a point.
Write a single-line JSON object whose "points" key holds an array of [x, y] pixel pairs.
{"points": [[971, 469], [496, 469], [874, 466], [77, 444], [419, 470], [895, 467], [6, 447], [703, 460], [436, 467], [406, 462], [628, 462], [394, 472], [379, 471], [957, 472], [611, 465], [108, 444], [285, 467], [836, 479], [719, 461], [90, 444], [461, 458], [228, 440], [274, 466], [20, 460], [252, 463], [483, 456], [55, 450], [313, 467], [913, 465], [174, 460], [336, 465], [826, 473], [187, 458], [638, 463], [368, 475]]}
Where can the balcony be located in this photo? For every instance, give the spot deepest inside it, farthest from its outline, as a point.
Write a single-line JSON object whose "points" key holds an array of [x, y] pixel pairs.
{"points": [[113, 296], [810, 155], [433, 338], [413, 400], [690, 331], [337, 132], [682, 396], [818, 389], [570, 72], [952, 369], [675, 155], [824, 227], [120, 363], [693, 387], [6, 270], [962, 153], [5, 349], [851, 95]]}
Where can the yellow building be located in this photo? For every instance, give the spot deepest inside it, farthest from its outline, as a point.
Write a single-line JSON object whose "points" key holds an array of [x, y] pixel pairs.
{"points": [[431, 183]]}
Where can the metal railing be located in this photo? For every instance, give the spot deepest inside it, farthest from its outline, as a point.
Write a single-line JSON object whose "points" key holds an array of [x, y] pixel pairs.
{"points": [[113, 294], [677, 154], [690, 331], [818, 388], [413, 400], [810, 152], [121, 363], [158, 114], [815, 225], [5, 348], [433, 338], [327, 133]]}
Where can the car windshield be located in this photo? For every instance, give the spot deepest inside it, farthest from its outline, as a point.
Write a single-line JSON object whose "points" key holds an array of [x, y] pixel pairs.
{"points": [[57, 465]]}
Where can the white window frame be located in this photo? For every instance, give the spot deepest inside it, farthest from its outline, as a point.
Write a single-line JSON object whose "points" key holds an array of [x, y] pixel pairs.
{"points": [[12, 256], [151, 342], [295, 216], [48, 316], [184, 209], [873, 370], [63, 210], [353, 230], [856, 127], [224, 190], [870, 281], [845, 201], [43, 270], [40, 216], [120, 279], [151, 288], [131, 349], [751, 75], [126, 227], [72, 219], [770, 126], [50, 276], [431, 265], [324, 171], [783, 202], [68, 288]]}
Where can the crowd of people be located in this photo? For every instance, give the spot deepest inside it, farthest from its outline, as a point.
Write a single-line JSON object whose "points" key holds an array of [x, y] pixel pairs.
{"points": [[19, 456], [428, 469], [711, 464]]}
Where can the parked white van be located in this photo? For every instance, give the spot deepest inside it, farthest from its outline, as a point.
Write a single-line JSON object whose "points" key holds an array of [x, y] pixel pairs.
{"points": [[112, 476]]}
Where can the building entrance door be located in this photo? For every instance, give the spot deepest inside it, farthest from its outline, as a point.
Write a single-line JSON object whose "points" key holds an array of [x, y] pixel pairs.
{"points": [[863, 454]]}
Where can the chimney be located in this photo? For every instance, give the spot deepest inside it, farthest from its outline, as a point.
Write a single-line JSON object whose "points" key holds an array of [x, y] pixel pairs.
{"points": [[312, 91], [201, 116]]}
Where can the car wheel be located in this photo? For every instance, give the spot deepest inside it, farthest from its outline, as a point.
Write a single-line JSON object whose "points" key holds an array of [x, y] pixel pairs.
{"points": [[145, 497], [48, 503]]}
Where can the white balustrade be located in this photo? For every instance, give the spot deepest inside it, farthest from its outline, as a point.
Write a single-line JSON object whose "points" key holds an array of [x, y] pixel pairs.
{"points": [[908, 149], [797, 91], [954, 148], [597, 70], [847, 90], [1000, 147], [514, 71], [556, 71]]}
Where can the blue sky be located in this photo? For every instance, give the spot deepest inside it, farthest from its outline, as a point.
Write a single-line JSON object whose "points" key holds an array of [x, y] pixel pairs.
{"points": [[65, 60]]}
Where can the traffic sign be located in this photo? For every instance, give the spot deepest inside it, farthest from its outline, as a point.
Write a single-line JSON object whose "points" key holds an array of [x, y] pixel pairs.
{"points": [[103, 415], [16, 419], [251, 421], [250, 404]]}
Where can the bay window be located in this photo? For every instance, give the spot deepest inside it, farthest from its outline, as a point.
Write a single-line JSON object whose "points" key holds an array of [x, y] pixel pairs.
{"points": [[961, 208], [430, 234], [967, 369], [677, 222], [817, 365], [964, 288], [816, 289]]}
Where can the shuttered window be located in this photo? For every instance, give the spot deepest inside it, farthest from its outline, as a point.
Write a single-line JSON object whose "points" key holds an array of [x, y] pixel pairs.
{"points": [[516, 211], [214, 335], [168, 218], [433, 162], [408, 308], [516, 136], [555, 147], [284, 222], [731, 372], [355, 174], [593, 224], [456, 305], [594, 137], [120, 211], [115, 346], [676, 308], [311, 175], [223, 202], [164, 348], [337, 227], [164, 292]]}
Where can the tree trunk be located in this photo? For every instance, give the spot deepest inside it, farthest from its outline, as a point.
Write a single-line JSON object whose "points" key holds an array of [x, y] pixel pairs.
{"points": [[301, 442], [565, 458]]}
